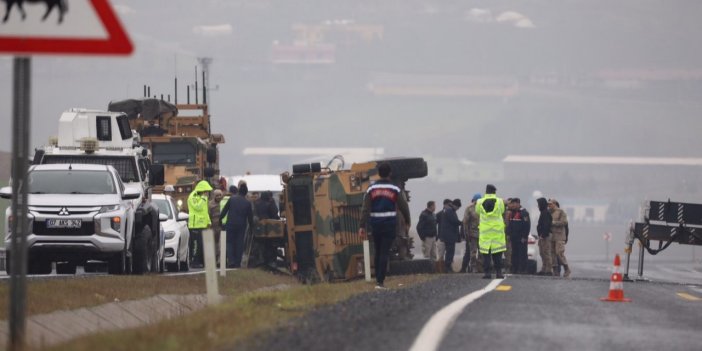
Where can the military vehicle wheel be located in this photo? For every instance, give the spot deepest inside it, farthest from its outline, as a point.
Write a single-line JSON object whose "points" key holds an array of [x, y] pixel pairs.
{"points": [[408, 168], [143, 260], [411, 267], [212, 155]]}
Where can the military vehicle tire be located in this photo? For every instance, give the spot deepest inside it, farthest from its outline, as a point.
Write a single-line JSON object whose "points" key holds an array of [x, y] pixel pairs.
{"points": [[411, 267], [408, 168], [143, 259], [301, 168], [212, 155]]}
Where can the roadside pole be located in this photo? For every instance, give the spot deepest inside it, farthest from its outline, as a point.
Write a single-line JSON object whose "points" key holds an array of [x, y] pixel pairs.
{"points": [[20, 147], [210, 267], [223, 253], [100, 33], [366, 259]]}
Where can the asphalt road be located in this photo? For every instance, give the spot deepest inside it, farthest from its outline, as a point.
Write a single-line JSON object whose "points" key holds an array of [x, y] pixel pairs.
{"points": [[524, 312]]}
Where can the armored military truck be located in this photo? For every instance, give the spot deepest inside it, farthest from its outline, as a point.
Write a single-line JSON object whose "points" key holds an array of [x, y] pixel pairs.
{"points": [[321, 209], [179, 138], [105, 138]]}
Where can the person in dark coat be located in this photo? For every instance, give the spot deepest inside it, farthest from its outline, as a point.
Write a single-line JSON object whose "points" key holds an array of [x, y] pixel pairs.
{"points": [[426, 229], [265, 207], [449, 229], [518, 226], [239, 216]]}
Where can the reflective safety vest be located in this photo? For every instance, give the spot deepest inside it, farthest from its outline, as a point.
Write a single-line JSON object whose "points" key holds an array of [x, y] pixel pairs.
{"points": [[492, 225], [221, 207], [198, 207]]}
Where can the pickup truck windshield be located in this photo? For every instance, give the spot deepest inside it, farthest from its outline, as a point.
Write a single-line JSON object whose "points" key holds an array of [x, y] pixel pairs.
{"points": [[126, 166], [71, 182]]}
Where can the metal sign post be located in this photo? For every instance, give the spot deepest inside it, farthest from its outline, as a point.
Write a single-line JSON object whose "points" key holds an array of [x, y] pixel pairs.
{"points": [[87, 27], [20, 157]]}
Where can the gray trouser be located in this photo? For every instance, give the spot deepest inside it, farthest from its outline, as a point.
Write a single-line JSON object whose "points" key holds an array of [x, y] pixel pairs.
{"points": [[429, 248]]}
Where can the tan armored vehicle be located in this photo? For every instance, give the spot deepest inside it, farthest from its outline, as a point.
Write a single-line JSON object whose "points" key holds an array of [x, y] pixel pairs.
{"points": [[321, 209], [179, 138]]}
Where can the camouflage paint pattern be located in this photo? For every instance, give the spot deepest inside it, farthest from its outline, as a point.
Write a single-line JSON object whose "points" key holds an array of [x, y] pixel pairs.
{"points": [[329, 209], [194, 130]]}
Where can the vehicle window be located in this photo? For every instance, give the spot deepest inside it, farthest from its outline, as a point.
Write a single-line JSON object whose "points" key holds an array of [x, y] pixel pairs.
{"points": [[173, 153], [104, 128], [71, 182], [125, 166], [164, 208], [124, 130]]}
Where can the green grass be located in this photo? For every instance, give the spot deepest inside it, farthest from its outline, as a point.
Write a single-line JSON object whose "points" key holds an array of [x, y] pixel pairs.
{"points": [[44, 296], [239, 318]]}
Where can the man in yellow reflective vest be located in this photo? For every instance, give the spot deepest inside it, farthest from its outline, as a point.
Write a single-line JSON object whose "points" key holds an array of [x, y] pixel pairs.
{"points": [[199, 219], [491, 240]]}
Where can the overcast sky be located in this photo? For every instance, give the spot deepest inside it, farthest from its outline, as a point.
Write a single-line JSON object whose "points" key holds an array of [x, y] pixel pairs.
{"points": [[591, 77]]}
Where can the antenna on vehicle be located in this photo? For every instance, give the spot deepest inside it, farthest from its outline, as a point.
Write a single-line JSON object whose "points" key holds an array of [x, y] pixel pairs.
{"points": [[188, 86], [204, 89], [196, 85], [175, 97]]}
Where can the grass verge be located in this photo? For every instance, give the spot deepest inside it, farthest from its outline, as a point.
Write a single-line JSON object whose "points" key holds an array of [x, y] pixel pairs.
{"points": [[44, 296], [229, 324]]}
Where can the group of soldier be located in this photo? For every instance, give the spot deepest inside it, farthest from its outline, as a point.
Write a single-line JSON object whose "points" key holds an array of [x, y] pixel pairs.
{"points": [[492, 227]]}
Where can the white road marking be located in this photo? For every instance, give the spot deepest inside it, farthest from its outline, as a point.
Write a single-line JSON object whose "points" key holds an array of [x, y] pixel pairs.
{"points": [[441, 322]]}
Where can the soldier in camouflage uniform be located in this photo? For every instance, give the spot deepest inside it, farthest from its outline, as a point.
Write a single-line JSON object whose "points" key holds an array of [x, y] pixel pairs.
{"points": [[472, 259], [558, 237]]}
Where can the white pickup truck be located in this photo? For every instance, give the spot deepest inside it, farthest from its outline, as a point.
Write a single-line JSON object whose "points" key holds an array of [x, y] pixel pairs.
{"points": [[78, 213]]}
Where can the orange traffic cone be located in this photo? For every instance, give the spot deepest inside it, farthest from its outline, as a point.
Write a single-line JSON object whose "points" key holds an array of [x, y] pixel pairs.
{"points": [[616, 284]]}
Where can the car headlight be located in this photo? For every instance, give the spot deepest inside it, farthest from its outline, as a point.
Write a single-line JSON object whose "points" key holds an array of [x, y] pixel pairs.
{"points": [[108, 208], [170, 235]]}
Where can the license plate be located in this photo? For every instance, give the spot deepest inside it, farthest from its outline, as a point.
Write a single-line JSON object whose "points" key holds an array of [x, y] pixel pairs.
{"points": [[63, 223]]}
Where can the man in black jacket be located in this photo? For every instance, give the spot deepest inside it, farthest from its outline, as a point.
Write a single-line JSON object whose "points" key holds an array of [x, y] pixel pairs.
{"points": [[426, 228], [449, 229], [381, 205], [518, 226], [239, 214], [543, 228]]}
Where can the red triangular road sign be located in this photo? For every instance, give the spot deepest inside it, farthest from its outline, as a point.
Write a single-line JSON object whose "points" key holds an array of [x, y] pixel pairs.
{"points": [[32, 35]]}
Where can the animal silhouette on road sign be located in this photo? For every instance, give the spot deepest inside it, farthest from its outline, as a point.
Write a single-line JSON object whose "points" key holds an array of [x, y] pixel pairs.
{"points": [[50, 4]]}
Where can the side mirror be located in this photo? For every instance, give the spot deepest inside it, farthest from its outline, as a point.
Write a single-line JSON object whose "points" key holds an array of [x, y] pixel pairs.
{"points": [[6, 192], [156, 175], [162, 217], [131, 194], [182, 216]]}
